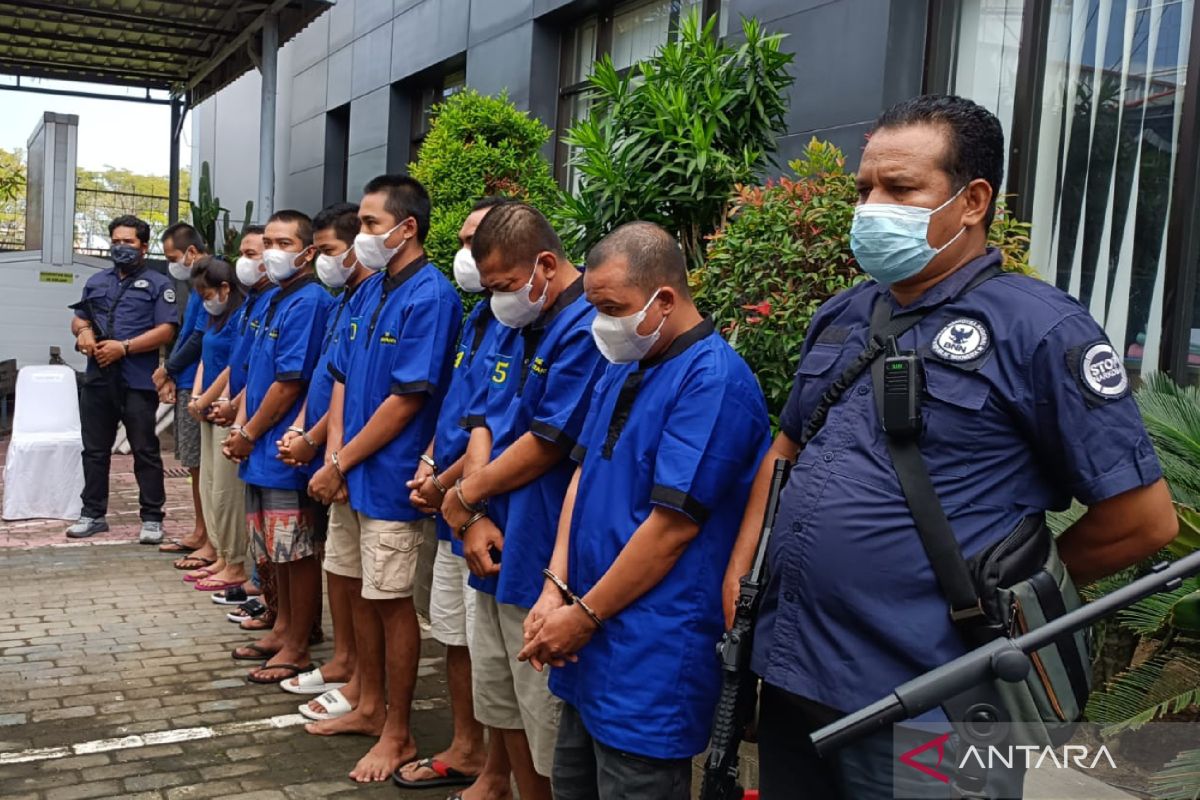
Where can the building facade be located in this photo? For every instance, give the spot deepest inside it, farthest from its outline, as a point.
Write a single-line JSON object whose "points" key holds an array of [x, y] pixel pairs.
{"points": [[1099, 100]]}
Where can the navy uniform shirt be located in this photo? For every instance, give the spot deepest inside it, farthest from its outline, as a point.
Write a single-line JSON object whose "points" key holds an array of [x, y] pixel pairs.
{"points": [[401, 342], [450, 439], [1026, 405], [685, 431], [539, 381], [122, 308], [286, 348], [247, 320]]}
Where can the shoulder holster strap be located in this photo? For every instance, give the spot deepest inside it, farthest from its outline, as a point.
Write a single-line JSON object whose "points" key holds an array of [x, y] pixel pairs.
{"points": [[937, 537]]}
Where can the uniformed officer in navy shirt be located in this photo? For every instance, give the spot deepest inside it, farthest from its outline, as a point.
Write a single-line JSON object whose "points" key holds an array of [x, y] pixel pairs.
{"points": [[1026, 406], [675, 429], [127, 313]]}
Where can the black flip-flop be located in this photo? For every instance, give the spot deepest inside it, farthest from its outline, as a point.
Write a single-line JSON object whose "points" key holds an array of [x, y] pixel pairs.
{"points": [[259, 651], [447, 776], [202, 563], [176, 547], [295, 670]]}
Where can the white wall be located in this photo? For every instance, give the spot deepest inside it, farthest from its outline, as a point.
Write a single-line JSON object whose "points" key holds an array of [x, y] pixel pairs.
{"points": [[35, 306]]}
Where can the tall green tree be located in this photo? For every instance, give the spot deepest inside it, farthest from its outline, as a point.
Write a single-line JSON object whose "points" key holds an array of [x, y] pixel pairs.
{"points": [[669, 140]]}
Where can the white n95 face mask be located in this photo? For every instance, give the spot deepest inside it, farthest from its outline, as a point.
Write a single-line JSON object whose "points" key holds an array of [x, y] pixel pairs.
{"points": [[372, 251], [515, 309], [466, 273], [216, 307], [281, 265], [332, 270], [248, 271], [179, 271], [617, 338]]}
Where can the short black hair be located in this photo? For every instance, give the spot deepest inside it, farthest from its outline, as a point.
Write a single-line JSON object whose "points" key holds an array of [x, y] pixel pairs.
{"points": [[210, 272], [490, 201], [518, 230], [255, 229], [182, 236], [406, 197], [974, 146], [303, 222], [653, 256], [342, 217], [140, 226]]}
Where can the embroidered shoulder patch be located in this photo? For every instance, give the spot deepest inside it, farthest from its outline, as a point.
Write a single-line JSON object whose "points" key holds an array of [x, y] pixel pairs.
{"points": [[962, 340], [388, 338], [141, 283], [168, 294], [1102, 371]]}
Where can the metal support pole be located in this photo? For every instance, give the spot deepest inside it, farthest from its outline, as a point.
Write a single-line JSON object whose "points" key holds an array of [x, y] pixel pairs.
{"points": [[266, 132], [173, 173]]}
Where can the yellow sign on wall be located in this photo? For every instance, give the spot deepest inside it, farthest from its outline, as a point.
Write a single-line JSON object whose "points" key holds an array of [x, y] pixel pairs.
{"points": [[56, 277]]}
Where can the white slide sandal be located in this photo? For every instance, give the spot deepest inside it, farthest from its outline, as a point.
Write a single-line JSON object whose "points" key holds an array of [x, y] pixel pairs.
{"points": [[335, 704], [312, 682]]}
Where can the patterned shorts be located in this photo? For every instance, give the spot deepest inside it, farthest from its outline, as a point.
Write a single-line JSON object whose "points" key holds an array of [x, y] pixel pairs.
{"points": [[187, 432], [284, 524]]}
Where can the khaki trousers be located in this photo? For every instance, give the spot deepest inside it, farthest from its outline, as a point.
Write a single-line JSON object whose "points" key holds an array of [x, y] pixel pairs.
{"points": [[222, 496]]}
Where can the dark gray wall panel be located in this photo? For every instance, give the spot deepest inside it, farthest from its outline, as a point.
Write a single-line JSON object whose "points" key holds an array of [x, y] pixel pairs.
{"points": [[503, 62], [302, 191], [362, 167], [427, 34], [341, 23], [372, 60], [308, 92], [370, 14], [307, 148], [369, 120], [490, 18], [339, 70]]}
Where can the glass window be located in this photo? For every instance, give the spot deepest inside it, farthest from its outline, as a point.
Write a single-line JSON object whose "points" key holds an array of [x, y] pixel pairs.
{"points": [[1106, 143], [634, 33], [989, 44], [1111, 103]]}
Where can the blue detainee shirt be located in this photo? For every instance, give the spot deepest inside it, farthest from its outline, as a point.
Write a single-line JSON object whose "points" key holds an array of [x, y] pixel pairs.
{"points": [[247, 320], [286, 348], [216, 348], [450, 439], [1026, 405], [122, 307], [539, 381], [401, 342], [320, 389], [685, 431], [195, 318]]}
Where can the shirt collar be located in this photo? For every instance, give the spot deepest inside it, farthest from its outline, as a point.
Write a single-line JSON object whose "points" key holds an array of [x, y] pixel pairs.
{"points": [[393, 282], [701, 330], [569, 295], [116, 271], [953, 285]]}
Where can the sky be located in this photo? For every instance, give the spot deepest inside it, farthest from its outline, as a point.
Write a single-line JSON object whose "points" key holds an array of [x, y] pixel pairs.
{"points": [[133, 136]]}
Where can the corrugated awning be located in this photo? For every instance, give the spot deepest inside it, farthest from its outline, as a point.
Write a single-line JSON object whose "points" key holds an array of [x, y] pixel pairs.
{"points": [[191, 48]]}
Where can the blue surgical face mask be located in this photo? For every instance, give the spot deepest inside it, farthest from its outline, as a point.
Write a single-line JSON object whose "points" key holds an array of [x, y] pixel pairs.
{"points": [[891, 242]]}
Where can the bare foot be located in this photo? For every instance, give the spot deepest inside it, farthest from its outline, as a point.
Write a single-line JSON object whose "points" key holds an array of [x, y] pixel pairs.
{"points": [[383, 759], [489, 787], [274, 670], [229, 574], [356, 722]]}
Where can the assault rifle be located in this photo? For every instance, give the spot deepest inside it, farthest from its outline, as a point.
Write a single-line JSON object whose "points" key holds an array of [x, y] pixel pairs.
{"points": [[739, 686]]}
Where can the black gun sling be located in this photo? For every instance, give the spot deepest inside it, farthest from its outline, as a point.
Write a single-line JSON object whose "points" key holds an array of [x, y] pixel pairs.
{"points": [[1033, 571]]}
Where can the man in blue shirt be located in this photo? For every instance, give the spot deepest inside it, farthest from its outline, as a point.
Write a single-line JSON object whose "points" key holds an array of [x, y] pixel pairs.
{"points": [[126, 314], [391, 372], [1026, 405], [525, 419], [183, 245], [284, 524], [451, 599], [303, 446], [674, 431]]}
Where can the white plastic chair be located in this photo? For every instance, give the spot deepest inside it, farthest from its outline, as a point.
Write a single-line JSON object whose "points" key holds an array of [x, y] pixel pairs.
{"points": [[43, 471]]}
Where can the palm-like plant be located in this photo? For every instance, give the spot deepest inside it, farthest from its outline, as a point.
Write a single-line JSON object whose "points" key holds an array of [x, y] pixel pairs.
{"points": [[1167, 681]]}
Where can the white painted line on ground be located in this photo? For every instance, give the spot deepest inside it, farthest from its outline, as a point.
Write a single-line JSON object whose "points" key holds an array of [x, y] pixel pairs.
{"points": [[151, 739]]}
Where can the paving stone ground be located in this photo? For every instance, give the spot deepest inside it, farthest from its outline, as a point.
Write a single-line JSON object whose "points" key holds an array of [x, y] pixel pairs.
{"points": [[102, 642]]}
